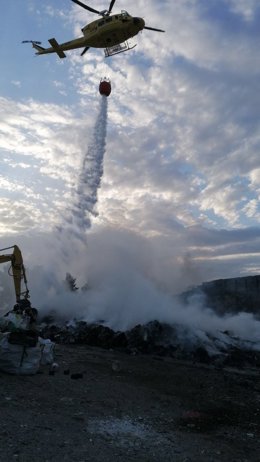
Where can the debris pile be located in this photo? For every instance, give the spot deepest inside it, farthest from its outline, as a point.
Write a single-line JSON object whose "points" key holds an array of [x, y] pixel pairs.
{"points": [[221, 349], [22, 350]]}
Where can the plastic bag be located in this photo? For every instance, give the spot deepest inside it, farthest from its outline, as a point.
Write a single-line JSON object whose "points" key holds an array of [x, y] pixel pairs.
{"points": [[19, 359], [47, 351], [13, 321]]}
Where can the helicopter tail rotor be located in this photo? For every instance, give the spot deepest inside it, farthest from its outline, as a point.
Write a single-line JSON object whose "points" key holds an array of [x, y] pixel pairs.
{"points": [[32, 41]]}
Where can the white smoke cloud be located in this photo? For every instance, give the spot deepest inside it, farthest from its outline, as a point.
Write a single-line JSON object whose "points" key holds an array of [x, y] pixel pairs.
{"points": [[125, 285], [122, 287]]}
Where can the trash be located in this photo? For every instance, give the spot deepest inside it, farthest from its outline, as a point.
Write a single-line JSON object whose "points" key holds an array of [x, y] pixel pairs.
{"points": [[19, 358], [13, 321], [47, 351], [76, 376], [25, 338], [55, 367], [116, 366]]}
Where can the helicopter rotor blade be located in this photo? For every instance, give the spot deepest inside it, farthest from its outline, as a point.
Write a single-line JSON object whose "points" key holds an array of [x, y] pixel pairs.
{"points": [[153, 28], [84, 51], [111, 6], [86, 6]]}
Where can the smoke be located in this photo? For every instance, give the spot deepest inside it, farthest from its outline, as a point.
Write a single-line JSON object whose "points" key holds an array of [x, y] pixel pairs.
{"points": [[118, 286], [123, 279]]}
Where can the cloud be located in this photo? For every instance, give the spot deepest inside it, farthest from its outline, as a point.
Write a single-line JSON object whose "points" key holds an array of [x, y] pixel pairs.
{"points": [[246, 8], [16, 83]]}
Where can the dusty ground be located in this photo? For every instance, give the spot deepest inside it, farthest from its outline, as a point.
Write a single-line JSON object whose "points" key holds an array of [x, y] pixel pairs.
{"points": [[130, 408]]}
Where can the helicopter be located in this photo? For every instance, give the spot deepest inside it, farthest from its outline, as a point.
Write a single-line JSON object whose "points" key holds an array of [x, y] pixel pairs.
{"points": [[111, 32]]}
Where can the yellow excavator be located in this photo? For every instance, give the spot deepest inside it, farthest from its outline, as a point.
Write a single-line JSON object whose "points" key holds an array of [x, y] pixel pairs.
{"points": [[20, 322], [17, 271]]}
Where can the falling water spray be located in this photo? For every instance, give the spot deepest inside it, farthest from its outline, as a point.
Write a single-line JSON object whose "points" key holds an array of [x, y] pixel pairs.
{"points": [[91, 173], [71, 239]]}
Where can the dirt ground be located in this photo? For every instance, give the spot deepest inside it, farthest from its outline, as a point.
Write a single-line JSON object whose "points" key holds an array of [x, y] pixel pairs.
{"points": [[104, 406]]}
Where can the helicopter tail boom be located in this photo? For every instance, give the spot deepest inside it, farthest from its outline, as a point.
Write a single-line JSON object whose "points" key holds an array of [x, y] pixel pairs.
{"points": [[55, 48], [36, 46]]}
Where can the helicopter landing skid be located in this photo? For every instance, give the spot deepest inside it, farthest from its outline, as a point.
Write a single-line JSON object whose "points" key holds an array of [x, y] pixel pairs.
{"points": [[116, 49]]}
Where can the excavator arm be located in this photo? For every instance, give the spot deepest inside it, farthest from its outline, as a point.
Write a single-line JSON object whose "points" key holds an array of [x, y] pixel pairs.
{"points": [[17, 271]]}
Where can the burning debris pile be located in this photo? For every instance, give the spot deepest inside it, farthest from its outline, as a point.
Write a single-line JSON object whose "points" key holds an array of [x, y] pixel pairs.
{"points": [[161, 339]]}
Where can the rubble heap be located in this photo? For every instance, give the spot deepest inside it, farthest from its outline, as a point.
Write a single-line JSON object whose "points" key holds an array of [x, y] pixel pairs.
{"points": [[161, 339]]}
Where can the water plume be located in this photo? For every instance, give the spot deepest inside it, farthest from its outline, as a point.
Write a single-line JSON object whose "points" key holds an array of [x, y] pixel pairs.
{"points": [[86, 195]]}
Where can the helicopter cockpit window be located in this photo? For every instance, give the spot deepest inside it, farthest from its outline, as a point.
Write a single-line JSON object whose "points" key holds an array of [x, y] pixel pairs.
{"points": [[109, 19], [124, 14], [100, 23]]}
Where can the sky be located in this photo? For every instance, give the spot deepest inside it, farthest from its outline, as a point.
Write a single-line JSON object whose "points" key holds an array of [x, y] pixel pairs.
{"points": [[178, 201]]}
